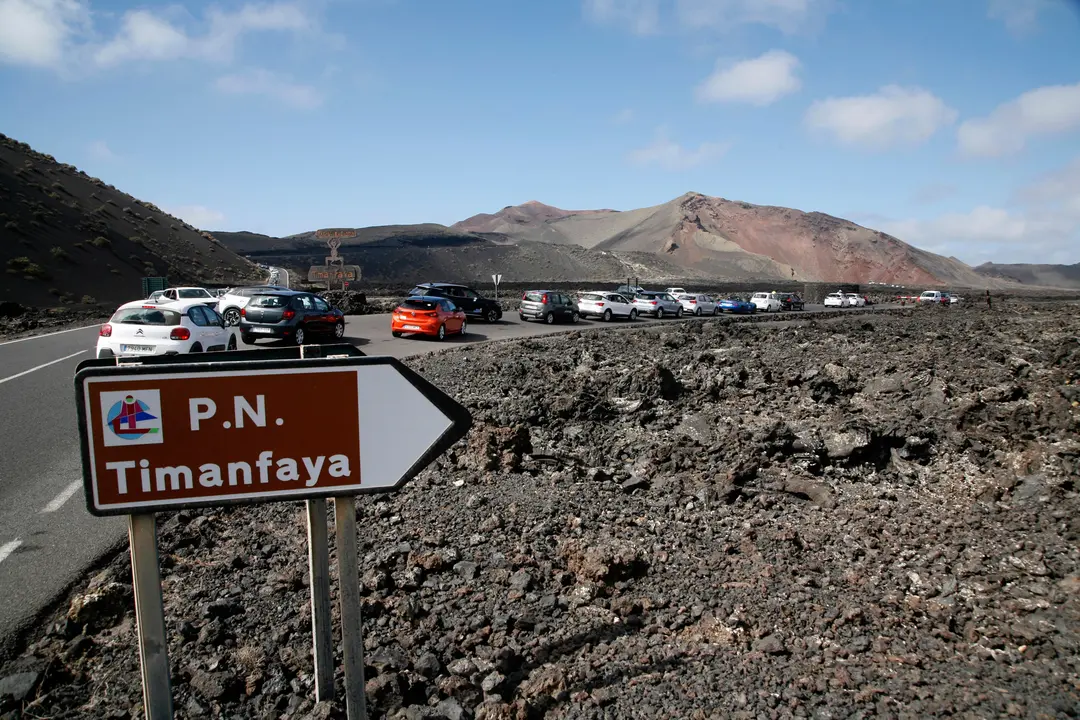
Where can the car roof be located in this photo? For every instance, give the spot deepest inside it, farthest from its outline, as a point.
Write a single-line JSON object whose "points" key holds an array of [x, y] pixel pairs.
{"points": [[426, 298], [440, 285], [271, 291], [175, 306]]}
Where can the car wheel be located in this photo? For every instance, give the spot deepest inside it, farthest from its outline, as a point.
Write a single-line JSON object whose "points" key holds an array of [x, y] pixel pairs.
{"points": [[339, 330], [492, 315], [678, 313], [464, 327], [697, 311], [104, 354], [232, 343], [232, 317], [715, 310], [549, 318], [574, 317], [395, 333], [196, 348], [441, 335], [659, 313], [607, 316], [247, 339], [300, 335], [523, 318], [633, 315]]}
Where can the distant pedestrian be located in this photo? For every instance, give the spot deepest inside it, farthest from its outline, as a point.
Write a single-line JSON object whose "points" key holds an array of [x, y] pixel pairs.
{"points": [[988, 299]]}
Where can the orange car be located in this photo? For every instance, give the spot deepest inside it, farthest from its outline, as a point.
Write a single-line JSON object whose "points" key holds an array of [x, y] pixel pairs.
{"points": [[423, 315]]}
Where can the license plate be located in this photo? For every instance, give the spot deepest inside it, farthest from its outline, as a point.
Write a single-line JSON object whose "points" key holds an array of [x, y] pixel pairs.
{"points": [[262, 330], [411, 327], [136, 348]]}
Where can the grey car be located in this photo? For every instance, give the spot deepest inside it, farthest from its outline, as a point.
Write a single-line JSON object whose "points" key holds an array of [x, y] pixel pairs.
{"points": [[548, 305], [660, 304]]}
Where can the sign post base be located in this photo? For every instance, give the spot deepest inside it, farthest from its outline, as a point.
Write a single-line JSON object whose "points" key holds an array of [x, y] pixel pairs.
{"points": [[150, 617]]}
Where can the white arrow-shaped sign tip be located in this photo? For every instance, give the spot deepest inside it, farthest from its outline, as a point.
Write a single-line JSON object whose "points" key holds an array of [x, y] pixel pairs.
{"points": [[398, 425]]}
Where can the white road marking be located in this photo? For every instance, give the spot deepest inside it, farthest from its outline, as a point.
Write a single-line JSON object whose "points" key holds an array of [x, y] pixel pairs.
{"points": [[58, 332], [39, 367], [8, 548], [58, 502]]}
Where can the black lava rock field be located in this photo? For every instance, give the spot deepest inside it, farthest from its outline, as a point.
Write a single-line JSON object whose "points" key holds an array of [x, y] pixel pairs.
{"points": [[865, 516]]}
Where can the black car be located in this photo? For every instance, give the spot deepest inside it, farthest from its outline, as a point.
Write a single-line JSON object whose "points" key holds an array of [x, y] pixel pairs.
{"points": [[791, 301], [290, 315], [473, 303]]}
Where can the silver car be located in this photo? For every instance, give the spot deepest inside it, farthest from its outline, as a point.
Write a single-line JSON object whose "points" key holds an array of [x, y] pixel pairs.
{"points": [[698, 304], [660, 304]]}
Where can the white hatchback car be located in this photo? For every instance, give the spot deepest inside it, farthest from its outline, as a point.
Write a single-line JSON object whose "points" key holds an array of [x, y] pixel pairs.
{"points": [[836, 300], [766, 302], [855, 300], [605, 305], [144, 328], [698, 304]]}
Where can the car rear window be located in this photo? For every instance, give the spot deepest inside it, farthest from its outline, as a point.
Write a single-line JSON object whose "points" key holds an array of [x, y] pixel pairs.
{"points": [[146, 316], [534, 297], [592, 297], [413, 304], [418, 290], [269, 301]]}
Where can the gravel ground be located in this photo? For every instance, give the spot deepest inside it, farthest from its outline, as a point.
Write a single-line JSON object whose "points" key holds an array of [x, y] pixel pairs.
{"points": [[866, 516]]}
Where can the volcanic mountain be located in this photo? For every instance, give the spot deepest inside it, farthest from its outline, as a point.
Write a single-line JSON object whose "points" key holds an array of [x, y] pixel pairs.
{"points": [[724, 238], [1056, 276], [67, 238]]}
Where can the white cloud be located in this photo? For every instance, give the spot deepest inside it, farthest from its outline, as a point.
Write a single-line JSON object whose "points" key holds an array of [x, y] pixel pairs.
{"points": [[198, 215], [1047, 110], [258, 81], [38, 32], [788, 16], [759, 81], [145, 35], [1042, 225], [1020, 16], [639, 16], [669, 155], [624, 116], [893, 116], [99, 150]]}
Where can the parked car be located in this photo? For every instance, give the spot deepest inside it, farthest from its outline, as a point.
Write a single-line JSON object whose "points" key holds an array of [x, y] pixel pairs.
{"points": [[931, 297], [606, 305], [233, 300], [289, 315], [547, 305], [155, 296], [675, 292], [855, 300], [428, 315], [659, 304], [791, 301], [737, 306], [145, 328], [698, 304], [629, 290], [954, 299], [471, 302], [836, 299], [766, 301]]}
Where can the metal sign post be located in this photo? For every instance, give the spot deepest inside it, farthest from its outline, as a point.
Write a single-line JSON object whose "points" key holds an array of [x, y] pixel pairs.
{"points": [[165, 434], [496, 279]]}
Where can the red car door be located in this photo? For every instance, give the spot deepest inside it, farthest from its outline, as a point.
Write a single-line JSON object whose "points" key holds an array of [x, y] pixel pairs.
{"points": [[450, 316]]}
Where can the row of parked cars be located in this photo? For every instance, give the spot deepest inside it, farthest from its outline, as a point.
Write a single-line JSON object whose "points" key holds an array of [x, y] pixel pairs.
{"points": [[843, 300], [185, 320]]}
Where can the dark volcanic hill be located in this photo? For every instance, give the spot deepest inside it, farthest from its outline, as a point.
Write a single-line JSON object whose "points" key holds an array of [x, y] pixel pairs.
{"points": [[1056, 276], [721, 238], [66, 237]]}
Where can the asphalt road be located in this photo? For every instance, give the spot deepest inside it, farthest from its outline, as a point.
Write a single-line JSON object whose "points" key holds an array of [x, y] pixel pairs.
{"points": [[47, 538]]}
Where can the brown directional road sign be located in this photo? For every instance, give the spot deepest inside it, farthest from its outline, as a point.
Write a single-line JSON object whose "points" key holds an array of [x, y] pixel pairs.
{"points": [[159, 437]]}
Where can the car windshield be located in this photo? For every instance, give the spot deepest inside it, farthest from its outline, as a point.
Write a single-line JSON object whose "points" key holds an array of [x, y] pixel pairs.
{"points": [[592, 297], [269, 301], [191, 293], [146, 316], [418, 304]]}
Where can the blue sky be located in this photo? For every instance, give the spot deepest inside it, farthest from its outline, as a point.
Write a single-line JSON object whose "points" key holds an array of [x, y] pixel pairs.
{"points": [[954, 125]]}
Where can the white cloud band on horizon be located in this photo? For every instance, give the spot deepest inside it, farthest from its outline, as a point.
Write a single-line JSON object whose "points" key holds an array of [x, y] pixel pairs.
{"points": [[893, 116], [198, 216], [757, 81]]}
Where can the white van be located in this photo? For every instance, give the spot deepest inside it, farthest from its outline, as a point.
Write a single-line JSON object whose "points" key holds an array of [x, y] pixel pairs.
{"points": [[930, 296]]}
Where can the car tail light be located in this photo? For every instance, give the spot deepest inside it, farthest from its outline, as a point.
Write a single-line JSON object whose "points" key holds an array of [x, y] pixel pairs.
{"points": [[543, 299], [599, 304], [693, 302], [653, 302], [243, 312], [106, 330], [524, 296], [180, 333], [289, 314]]}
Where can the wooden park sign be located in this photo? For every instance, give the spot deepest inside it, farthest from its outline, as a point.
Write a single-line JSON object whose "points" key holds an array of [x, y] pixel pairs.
{"points": [[228, 428]]}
